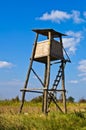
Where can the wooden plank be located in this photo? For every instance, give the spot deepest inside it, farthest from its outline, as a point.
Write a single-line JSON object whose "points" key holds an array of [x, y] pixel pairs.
{"points": [[52, 90], [56, 50], [43, 48], [45, 32], [27, 89]]}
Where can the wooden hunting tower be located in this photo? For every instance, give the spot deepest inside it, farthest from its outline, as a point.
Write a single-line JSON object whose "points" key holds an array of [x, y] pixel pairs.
{"points": [[46, 52]]}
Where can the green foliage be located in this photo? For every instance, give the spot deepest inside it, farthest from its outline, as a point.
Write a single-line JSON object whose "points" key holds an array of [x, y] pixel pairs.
{"points": [[37, 99], [70, 99], [82, 100], [16, 99], [79, 114]]}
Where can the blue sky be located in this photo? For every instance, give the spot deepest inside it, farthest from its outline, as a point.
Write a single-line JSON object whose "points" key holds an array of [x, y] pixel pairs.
{"points": [[17, 19]]}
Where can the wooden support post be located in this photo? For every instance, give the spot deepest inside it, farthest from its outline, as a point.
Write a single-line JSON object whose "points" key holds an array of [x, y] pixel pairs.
{"points": [[28, 73], [45, 75], [47, 79], [46, 86], [63, 88], [63, 82]]}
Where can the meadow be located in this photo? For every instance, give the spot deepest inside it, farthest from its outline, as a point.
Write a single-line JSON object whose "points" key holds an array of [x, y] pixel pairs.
{"points": [[32, 118]]}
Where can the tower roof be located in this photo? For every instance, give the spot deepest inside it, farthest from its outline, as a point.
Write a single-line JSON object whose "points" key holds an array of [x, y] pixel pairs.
{"points": [[45, 32]]}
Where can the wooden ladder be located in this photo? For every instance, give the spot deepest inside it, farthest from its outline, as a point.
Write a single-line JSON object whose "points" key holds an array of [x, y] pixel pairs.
{"points": [[51, 94]]}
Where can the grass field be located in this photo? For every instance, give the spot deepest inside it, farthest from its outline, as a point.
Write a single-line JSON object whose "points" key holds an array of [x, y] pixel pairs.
{"points": [[33, 119]]}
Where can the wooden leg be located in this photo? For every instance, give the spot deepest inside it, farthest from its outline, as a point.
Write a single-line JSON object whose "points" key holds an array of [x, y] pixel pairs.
{"points": [[63, 88], [47, 85], [44, 86], [28, 73]]}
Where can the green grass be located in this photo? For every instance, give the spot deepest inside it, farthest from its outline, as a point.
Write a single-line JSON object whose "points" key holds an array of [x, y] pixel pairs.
{"points": [[33, 119], [55, 121]]}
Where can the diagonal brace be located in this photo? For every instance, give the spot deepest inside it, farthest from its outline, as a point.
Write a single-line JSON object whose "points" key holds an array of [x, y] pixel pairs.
{"points": [[55, 102], [38, 77]]}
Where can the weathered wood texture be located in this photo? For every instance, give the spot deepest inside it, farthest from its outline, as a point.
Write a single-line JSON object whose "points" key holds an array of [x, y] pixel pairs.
{"points": [[47, 79], [63, 88], [45, 52], [43, 49], [63, 81]]}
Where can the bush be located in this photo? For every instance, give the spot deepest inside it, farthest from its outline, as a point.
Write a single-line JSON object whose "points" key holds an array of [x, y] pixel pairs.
{"points": [[82, 100], [70, 99], [16, 99], [37, 99]]}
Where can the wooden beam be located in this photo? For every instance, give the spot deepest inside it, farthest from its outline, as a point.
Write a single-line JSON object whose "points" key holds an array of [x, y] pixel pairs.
{"points": [[55, 62], [63, 87], [47, 78], [63, 81], [56, 90], [28, 90], [28, 73], [38, 77], [55, 102], [45, 75]]}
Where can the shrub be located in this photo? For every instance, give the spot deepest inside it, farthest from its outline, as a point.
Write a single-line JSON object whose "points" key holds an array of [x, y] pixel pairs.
{"points": [[16, 99], [70, 99], [37, 99], [82, 100]]}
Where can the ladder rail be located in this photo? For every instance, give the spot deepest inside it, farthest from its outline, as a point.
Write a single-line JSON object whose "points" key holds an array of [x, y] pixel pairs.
{"points": [[55, 85], [58, 77]]}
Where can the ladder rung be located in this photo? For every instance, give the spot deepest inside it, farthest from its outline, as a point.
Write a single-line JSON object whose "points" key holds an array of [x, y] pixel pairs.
{"points": [[59, 90], [56, 80], [60, 71], [60, 66], [54, 84], [59, 76]]}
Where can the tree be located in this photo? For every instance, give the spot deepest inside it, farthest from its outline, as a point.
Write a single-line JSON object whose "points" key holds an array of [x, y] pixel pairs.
{"points": [[70, 99], [82, 100], [16, 99]]}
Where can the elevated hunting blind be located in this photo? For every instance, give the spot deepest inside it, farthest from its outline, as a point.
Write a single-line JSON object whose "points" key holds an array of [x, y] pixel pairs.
{"points": [[46, 52]]}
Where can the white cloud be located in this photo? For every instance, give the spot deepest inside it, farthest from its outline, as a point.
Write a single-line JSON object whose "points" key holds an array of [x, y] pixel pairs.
{"points": [[59, 16], [73, 81], [76, 17], [56, 16], [82, 70], [82, 66], [72, 42], [5, 64]]}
